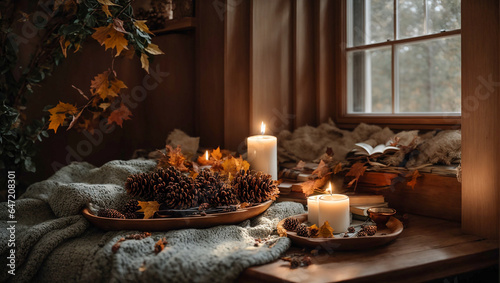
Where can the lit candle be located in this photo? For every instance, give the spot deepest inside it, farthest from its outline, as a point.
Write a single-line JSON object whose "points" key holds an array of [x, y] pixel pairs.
{"points": [[263, 153], [334, 208], [206, 155]]}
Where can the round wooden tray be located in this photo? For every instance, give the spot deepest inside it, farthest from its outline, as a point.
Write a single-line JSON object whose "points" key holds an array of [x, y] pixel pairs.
{"points": [[165, 224], [382, 237]]}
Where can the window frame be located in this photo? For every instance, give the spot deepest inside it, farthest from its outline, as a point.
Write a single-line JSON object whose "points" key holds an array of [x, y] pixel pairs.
{"points": [[399, 120]]}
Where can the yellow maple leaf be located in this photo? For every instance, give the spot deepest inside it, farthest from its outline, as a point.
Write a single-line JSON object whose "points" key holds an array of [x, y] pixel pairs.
{"points": [[145, 62], [314, 231], [216, 154], [106, 88], [107, 3], [149, 208], [58, 114], [110, 38], [326, 231], [142, 26], [233, 165], [154, 49]]}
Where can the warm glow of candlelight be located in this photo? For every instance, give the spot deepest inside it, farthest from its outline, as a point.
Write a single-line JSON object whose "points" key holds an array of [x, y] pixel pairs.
{"points": [[206, 155], [262, 128], [329, 189]]}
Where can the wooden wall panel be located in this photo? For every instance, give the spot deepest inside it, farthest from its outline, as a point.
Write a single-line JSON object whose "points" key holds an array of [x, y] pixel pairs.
{"points": [[305, 66], [237, 76], [270, 85], [480, 117]]}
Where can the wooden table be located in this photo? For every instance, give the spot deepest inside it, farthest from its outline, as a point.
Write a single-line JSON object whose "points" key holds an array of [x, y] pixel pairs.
{"points": [[427, 249]]}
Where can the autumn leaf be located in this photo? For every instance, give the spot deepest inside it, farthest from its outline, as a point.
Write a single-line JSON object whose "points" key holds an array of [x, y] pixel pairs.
{"points": [[148, 208], [326, 231], [64, 46], [120, 114], [118, 25], [413, 180], [232, 165], [160, 245], [58, 114], [300, 166], [173, 157], [357, 170], [142, 26], [145, 62], [104, 106], [111, 38], [216, 154], [106, 88], [314, 231], [321, 170], [154, 49], [105, 9], [337, 168]]}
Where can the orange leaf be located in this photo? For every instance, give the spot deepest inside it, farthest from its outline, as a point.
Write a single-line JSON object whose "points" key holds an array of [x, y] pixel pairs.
{"points": [[120, 114], [322, 170], [142, 26], [58, 114], [357, 170], [337, 168], [107, 3], [111, 38], [216, 154], [149, 208], [64, 46], [105, 9], [105, 87], [326, 231], [173, 157], [414, 177], [233, 165], [314, 231]]}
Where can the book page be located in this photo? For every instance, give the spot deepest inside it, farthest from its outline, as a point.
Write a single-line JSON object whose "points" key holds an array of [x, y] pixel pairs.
{"points": [[366, 147]]}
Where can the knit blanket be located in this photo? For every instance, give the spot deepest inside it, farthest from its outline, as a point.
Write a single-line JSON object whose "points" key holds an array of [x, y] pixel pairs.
{"points": [[55, 243]]}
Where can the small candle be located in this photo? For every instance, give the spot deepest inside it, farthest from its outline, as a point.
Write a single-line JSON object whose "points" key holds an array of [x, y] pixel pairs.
{"points": [[263, 153], [312, 209], [334, 208], [206, 155]]}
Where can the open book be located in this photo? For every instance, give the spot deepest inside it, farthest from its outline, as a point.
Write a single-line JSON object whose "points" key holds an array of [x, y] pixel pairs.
{"points": [[366, 149]]}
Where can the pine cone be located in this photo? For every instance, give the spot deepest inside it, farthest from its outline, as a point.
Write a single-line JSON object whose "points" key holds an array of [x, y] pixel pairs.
{"points": [[131, 207], [303, 231], [174, 189], [130, 215], [291, 224], [110, 213], [351, 229], [254, 188], [361, 233], [370, 230], [141, 186]]}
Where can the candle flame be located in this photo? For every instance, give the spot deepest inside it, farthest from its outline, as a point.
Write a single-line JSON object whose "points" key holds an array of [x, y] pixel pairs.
{"points": [[206, 155], [262, 128], [329, 189]]}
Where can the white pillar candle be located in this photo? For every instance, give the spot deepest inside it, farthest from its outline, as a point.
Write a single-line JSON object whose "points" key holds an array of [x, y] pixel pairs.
{"points": [[334, 209], [312, 209], [263, 153]]}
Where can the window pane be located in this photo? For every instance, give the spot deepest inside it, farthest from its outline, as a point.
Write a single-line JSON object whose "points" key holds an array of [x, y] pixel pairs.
{"points": [[411, 18], [369, 85], [369, 21], [429, 76], [443, 15]]}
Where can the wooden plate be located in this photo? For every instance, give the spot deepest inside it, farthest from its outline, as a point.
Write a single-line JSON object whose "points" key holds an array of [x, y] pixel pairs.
{"points": [[165, 224], [382, 237]]}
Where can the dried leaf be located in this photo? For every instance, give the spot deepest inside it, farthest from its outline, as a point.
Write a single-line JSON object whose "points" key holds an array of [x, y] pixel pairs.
{"points": [[104, 106], [173, 157], [233, 165], [281, 231], [148, 208], [414, 177], [326, 231], [337, 168], [357, 170], [106, 88], [322, 170], [154, 49], [105, 9], [300, 166], [308, 187], [118, 25], [142, 26], [314, 231], [216, 154], [111, 38], [58, 114], [160, 245], [64, 46], [120, 114], [145, 62]]}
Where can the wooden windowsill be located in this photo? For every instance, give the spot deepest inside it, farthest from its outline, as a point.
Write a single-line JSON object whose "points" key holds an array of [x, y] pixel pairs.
{"points": [[428, 249]]}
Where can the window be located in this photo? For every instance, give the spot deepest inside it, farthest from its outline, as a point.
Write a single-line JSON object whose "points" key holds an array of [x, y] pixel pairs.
{"points": [[402, 58]]}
